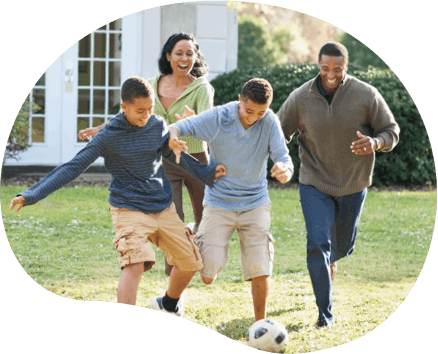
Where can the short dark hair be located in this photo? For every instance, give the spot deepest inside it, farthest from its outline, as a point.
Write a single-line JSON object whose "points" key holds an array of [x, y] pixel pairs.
{"points": [[135, 87], [257, 90], [200, 67], [333, 49]]}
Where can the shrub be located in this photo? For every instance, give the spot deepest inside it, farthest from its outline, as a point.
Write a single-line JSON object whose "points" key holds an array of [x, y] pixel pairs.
{"points": [[18, 140], [410, 163]]}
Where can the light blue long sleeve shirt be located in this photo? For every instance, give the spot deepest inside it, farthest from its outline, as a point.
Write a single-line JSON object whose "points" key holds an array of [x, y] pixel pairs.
{"points": [[244, 152]]}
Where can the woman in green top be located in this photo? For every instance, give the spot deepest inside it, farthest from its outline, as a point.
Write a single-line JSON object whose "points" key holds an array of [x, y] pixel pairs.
{"points": [[183, 82]]}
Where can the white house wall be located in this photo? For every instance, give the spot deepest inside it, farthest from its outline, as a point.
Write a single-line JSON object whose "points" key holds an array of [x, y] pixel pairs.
{"points": [[143, 36]]}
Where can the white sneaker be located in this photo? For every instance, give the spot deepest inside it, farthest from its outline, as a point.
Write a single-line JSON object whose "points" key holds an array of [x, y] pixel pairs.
{"points": [[156, 304]]}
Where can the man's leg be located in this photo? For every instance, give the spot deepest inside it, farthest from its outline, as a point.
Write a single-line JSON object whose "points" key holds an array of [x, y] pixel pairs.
{"points": [[319, 212], [260, 290], [128, 283], [345, 226]]}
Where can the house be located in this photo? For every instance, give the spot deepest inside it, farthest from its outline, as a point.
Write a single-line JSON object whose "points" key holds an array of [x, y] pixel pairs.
{"points": [[82, 87]]}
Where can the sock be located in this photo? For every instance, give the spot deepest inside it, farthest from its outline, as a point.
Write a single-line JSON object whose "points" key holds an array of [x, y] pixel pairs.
{"points": [[168, 303]]}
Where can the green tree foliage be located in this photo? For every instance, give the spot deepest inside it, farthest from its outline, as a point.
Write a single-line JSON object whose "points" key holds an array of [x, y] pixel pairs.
{"points": [[18, 140], [359, 53], [256, 47], [411, 161]]}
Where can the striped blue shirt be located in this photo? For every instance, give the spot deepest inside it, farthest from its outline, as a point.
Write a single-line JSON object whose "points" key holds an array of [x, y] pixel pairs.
{"points": [[133, 155]]}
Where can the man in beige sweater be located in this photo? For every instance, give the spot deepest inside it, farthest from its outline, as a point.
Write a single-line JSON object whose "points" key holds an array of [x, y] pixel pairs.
{"points": [[341, 122]]}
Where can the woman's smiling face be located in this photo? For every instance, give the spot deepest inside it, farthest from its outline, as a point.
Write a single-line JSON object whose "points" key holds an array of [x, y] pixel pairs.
{"points": [[182, 57]]}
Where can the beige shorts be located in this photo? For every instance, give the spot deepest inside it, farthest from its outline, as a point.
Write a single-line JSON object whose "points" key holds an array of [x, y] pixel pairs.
{"points": [[256, 242], [136, 230]]}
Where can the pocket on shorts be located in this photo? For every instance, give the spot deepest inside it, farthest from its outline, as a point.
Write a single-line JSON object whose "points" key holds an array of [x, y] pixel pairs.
{"points": [[120, 241], [271, 246]]}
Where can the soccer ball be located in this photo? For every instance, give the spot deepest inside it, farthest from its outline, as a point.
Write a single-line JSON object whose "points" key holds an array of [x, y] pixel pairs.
{"points": [[268, 335]]}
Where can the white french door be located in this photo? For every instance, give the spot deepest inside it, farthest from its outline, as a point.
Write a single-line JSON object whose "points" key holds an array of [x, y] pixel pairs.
{"points": [[93, 72]]}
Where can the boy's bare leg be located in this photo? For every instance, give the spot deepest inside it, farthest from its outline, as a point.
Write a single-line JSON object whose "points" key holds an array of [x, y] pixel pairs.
{"points": [[128, 283], [179, 279], [259, 290]]}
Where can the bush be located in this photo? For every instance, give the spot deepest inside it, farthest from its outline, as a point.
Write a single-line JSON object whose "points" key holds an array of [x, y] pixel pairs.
{"points": [[18, 140], [410, 163]]}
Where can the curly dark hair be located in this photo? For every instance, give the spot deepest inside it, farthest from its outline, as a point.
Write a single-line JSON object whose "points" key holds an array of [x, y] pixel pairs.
{"points": [[135, 87], [257, 90], [333, 49], [200, 67]]}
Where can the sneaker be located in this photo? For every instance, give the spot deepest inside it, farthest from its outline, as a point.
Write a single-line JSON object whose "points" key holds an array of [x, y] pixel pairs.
{"points": [[156, 304], [333, 269], [320, 324]]}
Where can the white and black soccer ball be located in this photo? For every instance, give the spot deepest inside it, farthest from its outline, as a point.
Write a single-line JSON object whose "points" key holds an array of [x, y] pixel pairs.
{"points": [[268, 335]]}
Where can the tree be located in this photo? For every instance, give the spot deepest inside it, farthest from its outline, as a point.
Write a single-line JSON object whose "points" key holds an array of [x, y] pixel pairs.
{"points": [[256, 47], [359, 53], [18, 140]]}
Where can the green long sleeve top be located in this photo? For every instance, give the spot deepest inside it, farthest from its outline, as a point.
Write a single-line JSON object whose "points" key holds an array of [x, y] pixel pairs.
{"points": [[198, 96]]}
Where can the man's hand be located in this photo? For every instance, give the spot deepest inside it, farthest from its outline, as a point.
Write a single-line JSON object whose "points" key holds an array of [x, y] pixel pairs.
{"points": [[17, 201], [177, 146], [281, 172], [86, 133], [187, 113], [221, 171], [364, 146]]}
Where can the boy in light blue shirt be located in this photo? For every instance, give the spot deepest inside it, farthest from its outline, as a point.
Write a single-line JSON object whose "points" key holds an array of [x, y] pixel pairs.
{"points": [[241, 135]]}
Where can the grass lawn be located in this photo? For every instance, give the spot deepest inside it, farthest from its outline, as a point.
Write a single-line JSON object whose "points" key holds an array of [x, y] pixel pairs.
{"points": [[64, 244]]}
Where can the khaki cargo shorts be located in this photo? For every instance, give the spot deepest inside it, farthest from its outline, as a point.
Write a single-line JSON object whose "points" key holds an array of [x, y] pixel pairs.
{"points": [[135, 231], [256, 242]]}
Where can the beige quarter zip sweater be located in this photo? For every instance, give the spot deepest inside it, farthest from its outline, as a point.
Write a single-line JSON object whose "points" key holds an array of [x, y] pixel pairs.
{"points": [[327, 131]]}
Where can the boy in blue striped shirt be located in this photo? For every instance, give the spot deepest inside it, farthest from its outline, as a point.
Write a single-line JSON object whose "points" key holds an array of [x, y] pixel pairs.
{"points": [[133, 144]]}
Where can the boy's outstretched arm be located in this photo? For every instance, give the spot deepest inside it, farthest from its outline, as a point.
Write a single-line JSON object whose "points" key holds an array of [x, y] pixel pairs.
{"points": [[207, 174], [61, 175]]}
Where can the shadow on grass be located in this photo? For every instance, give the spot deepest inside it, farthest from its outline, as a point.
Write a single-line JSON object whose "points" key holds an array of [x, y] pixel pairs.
{"points": [[235, 329]]}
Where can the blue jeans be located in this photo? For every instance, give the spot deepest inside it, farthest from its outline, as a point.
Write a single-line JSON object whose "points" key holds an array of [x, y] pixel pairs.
{"points": [[331, 224]]}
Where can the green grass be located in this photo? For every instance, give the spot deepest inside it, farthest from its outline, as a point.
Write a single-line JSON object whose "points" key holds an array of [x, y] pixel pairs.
{"points": [[64, 244]]}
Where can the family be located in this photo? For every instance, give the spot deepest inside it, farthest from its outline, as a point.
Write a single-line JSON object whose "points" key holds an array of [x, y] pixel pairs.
{"points": [[169, 134]]}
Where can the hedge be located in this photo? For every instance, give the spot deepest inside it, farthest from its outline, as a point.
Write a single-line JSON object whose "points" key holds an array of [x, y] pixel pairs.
{"points": [[410, 163]]}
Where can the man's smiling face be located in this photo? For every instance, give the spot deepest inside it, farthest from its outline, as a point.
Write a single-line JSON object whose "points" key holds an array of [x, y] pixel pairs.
{"points": [[332, 71]]}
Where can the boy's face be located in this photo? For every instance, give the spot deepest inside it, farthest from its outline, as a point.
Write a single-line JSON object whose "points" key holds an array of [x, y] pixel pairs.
{"points": [[138, 112], [250, 112]]}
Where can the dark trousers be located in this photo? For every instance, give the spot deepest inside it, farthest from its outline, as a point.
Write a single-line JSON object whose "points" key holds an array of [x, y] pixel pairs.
{"points": [[177, 179], [331, 224]]}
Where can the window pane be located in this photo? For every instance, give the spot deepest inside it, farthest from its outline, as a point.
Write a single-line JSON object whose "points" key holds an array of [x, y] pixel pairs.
{"points": [[99, 74], [99, 45], [37, 130], [113, 102], [39, 99], [84, 73], [98, 121], [84, 47], [41, 81], [115, 71], [99, 101], [116, 25], [115, 45], [83, 123], [103, 28], [83, 101]]}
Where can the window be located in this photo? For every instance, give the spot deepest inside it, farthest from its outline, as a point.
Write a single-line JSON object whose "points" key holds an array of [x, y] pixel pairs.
{"points": [[37, 116]]}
